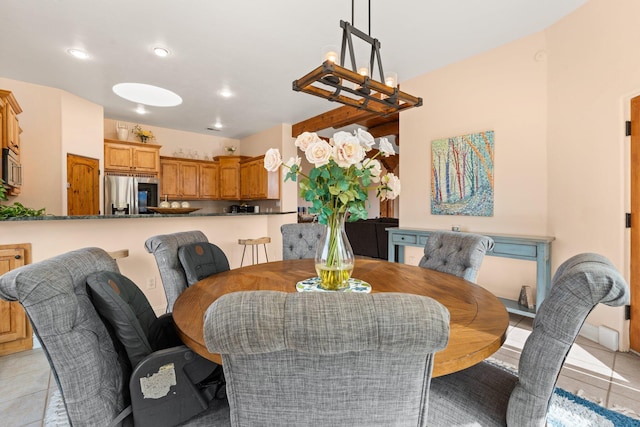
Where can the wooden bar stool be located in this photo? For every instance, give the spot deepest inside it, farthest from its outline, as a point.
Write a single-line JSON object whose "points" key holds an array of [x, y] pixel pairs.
{"points": [[254, 248]]}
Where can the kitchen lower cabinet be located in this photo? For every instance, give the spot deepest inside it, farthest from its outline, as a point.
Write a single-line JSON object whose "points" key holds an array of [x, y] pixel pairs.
{"points": [[16, 333]]}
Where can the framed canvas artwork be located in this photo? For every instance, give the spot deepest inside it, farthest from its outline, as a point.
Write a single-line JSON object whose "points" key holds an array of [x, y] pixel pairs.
{"points": [[462, 175]]}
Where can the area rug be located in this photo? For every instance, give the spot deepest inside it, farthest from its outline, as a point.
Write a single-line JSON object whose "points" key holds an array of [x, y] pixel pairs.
{"points": [[567, 410], [56, 413]]}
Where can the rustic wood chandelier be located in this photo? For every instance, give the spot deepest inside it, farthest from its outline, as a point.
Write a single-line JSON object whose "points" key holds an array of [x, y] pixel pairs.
{"points": [[337, 83]]}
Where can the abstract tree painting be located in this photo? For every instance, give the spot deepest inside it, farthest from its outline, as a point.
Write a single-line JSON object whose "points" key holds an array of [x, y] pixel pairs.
{"points": [[462, 175]]}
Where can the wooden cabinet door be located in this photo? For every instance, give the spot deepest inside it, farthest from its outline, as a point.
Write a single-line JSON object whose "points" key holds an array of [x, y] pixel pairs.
{"points": [[118, 157], [169, 178], [256, 181], [146, 159], [16, 333], [245, 180], [208, 185], [13, 130], [188, 174], [230, 178]]}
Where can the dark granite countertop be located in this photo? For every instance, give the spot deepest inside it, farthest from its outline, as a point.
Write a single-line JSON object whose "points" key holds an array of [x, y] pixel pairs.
{"points": [[156, 215]]}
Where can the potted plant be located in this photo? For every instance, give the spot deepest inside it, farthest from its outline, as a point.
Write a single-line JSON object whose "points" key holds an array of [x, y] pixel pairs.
{"points": [[17, 209]]}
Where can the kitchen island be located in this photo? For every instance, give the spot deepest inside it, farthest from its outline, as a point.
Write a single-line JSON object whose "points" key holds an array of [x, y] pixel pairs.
{"points": [[147, 216], [53, 235]]}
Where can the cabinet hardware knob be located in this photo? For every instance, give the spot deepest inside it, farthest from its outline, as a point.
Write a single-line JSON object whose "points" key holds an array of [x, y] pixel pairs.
{"points": [[17, 257]]}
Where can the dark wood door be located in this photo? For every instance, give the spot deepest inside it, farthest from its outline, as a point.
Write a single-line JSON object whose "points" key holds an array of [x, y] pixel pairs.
{"points": [[83, 185]]}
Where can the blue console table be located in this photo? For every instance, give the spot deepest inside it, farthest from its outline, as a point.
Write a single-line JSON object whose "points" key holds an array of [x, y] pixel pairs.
{"points": [[529, 248]]}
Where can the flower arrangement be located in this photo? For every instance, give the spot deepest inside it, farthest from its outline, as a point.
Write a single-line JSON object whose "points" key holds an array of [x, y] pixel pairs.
{"points": [[230, 149], [341, 175], [143, 134], [337, 186]]}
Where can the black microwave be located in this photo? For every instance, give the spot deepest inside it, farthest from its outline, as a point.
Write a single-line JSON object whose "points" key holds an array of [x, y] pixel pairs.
{"points": [[11, 169]]}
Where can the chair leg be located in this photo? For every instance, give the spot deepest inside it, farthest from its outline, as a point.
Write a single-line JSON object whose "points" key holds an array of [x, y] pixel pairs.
{"points": [[265, 252], [244, 249]]}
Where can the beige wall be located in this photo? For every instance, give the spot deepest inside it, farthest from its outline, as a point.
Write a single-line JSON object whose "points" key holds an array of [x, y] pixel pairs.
{"points": [[50, 238], [593, 73], [172, 140], [502, 90], [41, 145], [557, 101]]}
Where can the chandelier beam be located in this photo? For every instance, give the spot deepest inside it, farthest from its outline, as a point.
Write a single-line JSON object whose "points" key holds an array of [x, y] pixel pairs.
{"points": [[363, 92]]}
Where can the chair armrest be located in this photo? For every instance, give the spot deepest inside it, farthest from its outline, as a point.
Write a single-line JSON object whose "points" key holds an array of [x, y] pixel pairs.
{"points": [[165, 387]]}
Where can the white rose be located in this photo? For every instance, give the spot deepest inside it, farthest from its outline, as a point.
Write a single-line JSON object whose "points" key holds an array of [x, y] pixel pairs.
{"points": [[272, 159], [348, 149], [386, 148], [366, 139], [375, 168], [391, 187], [319, 153], [294, 161], [305, 139]]}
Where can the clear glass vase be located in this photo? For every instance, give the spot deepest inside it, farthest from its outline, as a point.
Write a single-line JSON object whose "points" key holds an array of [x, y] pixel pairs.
{"points": [[334, 256]]}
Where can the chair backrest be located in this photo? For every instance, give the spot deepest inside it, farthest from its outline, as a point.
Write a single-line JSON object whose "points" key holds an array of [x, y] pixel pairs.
{"points": [[580, 283], [341, 359], [300, 240], [126, 309], [165, 249], [456, 253], [79, 349], [200, 260]]}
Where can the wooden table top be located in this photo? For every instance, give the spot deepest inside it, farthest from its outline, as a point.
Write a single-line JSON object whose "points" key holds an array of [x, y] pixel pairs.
{"points": [[478, 319]]}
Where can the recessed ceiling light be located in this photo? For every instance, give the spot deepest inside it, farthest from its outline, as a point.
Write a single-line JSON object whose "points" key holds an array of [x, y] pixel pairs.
{"points": [[147, 94], [217, 125], [140, 109], [225, 93], [77, 53], [160, 51]]}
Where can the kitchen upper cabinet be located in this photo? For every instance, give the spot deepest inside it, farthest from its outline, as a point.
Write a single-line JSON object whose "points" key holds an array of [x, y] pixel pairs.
{"points": [[131, 157], [256, 182], [16, 333], [209, 181], [10, 141], [230, 177], [9, 110], [188, 179]]}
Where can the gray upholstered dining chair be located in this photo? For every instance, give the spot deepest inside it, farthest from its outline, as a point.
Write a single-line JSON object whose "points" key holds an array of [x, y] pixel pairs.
{"points": [[456, 253], [326, 359], [92, 371], [300, 241], [165, 250], [489, 395]]}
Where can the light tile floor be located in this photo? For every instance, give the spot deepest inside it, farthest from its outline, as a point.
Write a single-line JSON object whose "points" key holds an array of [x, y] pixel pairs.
{"points": [[611, 379]]}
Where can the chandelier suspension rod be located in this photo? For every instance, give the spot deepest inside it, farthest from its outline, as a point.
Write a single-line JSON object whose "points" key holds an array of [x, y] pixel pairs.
{"points": [[352, 15]]}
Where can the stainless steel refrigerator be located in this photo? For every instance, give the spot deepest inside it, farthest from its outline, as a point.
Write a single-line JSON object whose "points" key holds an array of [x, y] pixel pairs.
{"points": [[129, 195]]}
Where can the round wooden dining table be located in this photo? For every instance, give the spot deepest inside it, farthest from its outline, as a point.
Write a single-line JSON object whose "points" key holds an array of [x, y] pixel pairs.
{"points": [[478, 319]]}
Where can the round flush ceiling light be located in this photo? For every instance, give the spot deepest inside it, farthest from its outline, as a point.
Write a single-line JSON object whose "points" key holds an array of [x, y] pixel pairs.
{"points": [[77, 53], [147, 94], [160, 51]]}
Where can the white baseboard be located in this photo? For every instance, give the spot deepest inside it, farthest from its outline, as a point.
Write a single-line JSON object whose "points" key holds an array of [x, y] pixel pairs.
{"points": [[604, 336]]}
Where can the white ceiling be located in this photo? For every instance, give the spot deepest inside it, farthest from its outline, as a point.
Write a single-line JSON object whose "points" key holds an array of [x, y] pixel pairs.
{"points": [[255, 47]]}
